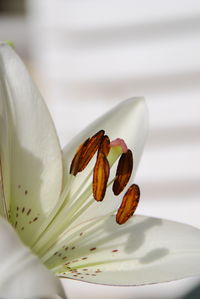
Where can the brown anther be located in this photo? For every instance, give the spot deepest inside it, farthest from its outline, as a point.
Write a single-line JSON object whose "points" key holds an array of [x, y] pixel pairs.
{"points": [[128, 205], [85, 153], [74, 168], [123, 173], [105, 145], [100, 176]]}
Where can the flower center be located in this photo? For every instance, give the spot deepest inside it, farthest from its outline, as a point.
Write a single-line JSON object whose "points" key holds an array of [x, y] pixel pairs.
{"points": [[79, 194], [107, 153]]}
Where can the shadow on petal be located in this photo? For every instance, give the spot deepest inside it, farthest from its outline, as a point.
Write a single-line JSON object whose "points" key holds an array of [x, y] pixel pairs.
{"points": [[154, 255]]}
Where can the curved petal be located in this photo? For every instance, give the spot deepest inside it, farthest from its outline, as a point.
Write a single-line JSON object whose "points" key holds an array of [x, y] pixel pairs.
{"points": [[142, 251], [29, 149], [22, 276]]}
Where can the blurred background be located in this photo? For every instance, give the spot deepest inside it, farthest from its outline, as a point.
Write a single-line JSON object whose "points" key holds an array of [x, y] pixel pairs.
{"points": [[88, 55]]}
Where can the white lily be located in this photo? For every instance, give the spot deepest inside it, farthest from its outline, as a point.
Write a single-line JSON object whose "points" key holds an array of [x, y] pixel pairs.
{"points": [[54, 212]]}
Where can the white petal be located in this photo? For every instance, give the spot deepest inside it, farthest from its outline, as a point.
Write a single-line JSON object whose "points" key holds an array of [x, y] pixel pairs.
{"points": [[142, 251], [29, 148], [22, 276]]}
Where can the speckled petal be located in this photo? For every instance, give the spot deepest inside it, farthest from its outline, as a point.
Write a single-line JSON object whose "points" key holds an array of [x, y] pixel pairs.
{"points": [[142, 251], [29, 149], [22, 276]]}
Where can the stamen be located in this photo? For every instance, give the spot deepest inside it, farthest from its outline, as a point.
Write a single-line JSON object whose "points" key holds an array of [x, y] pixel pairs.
{"points": [[128, 205], [105, 145], [74, 168], [123, 173], [119, 142], [85, 153], [100, 177], [75, 202]]}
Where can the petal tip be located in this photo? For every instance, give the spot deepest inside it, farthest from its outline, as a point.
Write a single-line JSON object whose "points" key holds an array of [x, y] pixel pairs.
{"points": [[140, 105], [139, 101]]}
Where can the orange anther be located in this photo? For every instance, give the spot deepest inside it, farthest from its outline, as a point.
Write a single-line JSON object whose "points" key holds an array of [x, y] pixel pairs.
{"points": [[123, 173], [105, 145], [85, 152], [74, 168], [128, 205], [100, 176]]}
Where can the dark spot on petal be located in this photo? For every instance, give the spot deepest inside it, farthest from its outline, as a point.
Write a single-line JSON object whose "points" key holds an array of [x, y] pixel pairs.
{"points": [[74, 261], [26, 192], [66, 248], [92, 249], [23, 209], [73, 247], [35, 219], [84, 258], [115, 250], [28, 212], [81, 234]]}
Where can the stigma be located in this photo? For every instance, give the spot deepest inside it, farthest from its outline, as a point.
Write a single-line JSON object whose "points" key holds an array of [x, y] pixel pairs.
{"points": [[106, 153]]}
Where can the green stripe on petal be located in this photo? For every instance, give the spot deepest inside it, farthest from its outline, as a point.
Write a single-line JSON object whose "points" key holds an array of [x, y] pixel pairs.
{"points": [[144, 250]]}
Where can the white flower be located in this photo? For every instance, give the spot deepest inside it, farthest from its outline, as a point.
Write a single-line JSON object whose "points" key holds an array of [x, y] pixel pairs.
{"points": [[49, 199]]}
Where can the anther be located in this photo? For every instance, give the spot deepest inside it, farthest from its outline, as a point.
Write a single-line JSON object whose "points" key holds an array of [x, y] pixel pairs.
{"points": [[100, 176], [105, 145], [74, 168], [128, 205], [85, 153], [123, 173]]}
